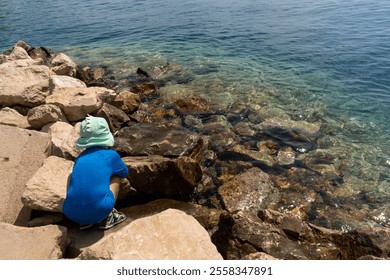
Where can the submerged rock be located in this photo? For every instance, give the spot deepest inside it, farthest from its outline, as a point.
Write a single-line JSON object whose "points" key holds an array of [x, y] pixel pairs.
{"points": [[155, 139], [251, 190]]}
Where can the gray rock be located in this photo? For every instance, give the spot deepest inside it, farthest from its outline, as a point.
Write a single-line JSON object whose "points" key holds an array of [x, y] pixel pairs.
{"points": [[244, 233]]}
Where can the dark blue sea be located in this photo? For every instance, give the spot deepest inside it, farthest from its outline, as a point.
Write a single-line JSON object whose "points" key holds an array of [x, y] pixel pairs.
{"points": [[316, 60]]}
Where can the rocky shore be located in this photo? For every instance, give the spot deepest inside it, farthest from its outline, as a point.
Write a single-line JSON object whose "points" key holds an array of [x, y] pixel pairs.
{"points": [[242, 183]]}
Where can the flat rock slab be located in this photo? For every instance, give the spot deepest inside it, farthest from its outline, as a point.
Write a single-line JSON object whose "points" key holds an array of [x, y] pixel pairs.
{"points": [[169, 235], [22, 152]]}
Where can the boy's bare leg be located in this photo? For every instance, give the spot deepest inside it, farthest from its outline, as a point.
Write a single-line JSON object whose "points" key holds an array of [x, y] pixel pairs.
{"points": [[115, 184]]}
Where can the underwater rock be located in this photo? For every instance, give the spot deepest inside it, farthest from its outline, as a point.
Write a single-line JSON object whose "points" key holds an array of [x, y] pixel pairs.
{"points": [[155, 139], [251, 191]]}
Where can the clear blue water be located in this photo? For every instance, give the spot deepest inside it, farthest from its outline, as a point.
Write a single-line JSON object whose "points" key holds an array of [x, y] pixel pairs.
{"points": [[315, 59]]}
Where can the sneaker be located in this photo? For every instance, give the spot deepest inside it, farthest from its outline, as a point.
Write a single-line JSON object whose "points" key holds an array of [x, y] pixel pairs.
{"points": [[114, 218], [84, 227]]}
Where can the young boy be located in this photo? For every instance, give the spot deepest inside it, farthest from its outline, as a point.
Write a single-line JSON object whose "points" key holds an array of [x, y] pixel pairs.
{"points": [[94, 183]]}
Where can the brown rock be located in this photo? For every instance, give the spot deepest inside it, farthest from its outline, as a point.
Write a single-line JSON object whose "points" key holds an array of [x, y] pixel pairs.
{"points": [[39, 243], [207, 217], [146, 90], [41, 115], [31, 88], [193, 105], [63, 65], [63, 138], [251, 190], [46, 190], [169, 235], [22, 152], [12, 117], [127, 101], [115, 117], [156, 175], [76, 103], [60, 81], [155, 139]]}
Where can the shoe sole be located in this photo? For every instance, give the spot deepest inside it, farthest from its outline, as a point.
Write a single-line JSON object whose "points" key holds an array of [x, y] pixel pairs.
{"points": [[114, 224]]}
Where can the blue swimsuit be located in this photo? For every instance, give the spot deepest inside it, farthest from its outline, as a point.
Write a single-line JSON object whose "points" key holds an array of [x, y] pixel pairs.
{"points": [[89, 198]]}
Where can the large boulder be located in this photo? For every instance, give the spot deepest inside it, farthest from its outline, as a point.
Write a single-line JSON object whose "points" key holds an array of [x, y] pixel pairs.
{"points": [[22, 153], [46, 190], [79, 241], [155, 139], [251, 190], [76, 103], [38, 243], [160, 176], [206, 216], [26, 85], [169, 235]]}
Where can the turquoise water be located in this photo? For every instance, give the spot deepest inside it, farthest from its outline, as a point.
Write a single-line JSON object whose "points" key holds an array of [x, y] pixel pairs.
{"points": [[324, 61]]}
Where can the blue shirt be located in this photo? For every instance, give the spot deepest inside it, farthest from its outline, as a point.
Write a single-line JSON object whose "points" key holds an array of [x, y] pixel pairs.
{"points": [[89, 183]]}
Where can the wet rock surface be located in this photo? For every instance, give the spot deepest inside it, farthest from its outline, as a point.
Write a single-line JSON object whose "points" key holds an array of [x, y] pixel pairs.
{"points": [[261, 183]]}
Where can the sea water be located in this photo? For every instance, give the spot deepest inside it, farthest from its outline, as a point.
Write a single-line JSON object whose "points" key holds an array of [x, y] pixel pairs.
{"points": [[326, 60]]}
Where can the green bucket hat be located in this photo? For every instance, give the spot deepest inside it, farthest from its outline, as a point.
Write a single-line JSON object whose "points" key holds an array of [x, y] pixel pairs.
{"points": [[94, 131]]}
